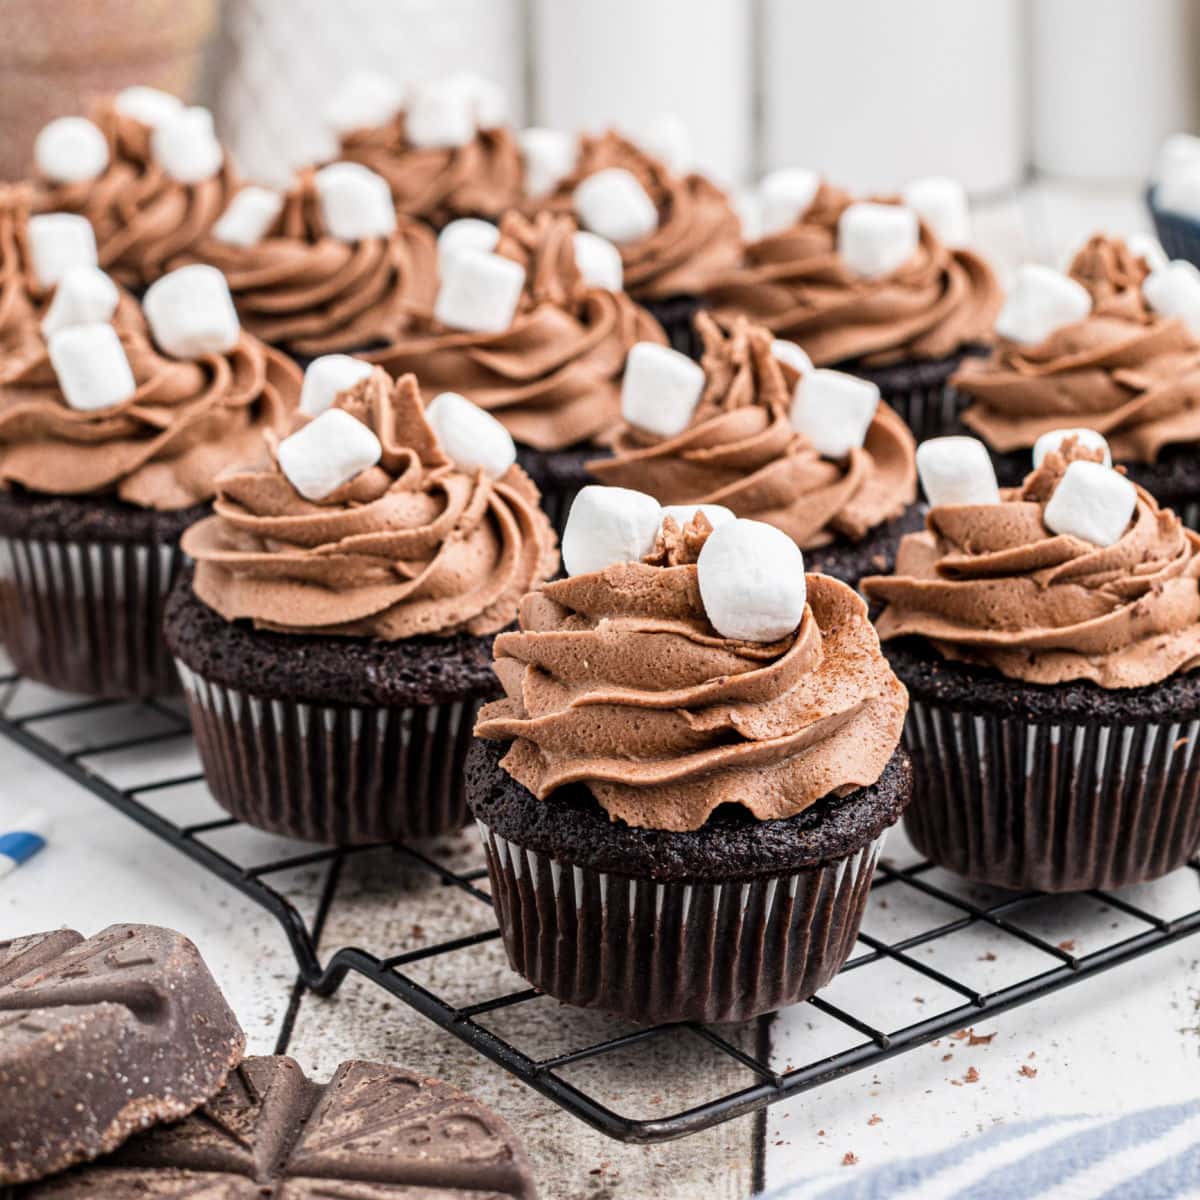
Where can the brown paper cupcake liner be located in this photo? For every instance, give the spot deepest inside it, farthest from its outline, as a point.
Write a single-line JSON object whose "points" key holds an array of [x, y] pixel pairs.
{"points": [[339, 774], [1052, 806], [87, 616], [675, 951]]}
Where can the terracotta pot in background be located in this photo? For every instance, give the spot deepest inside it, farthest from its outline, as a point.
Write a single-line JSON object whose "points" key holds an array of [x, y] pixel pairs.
{"points": [[57, 56]]}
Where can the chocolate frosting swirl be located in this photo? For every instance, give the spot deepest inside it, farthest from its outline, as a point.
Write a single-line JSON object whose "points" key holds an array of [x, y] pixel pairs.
{"points": [[19, 291], [991, 585], [437, 184], [411, 546], [554, 377], [741, 451], [300, 288], [162, 448], [142, 217], [617, 680], [1123, 370], [795, 283]]}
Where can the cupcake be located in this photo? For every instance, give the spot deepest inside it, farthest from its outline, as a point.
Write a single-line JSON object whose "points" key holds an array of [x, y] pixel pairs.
{"points": [[763, 435], [886, 291], [148, 173], [545, 356], [1173, 196], [111, 436], [1107, 348], [684, 790], [1048, 636], [334, 640], [312, 278]]}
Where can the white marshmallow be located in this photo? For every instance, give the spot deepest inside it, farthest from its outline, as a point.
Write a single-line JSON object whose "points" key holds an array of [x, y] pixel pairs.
{"points": [[793, 355], [599, 261], [486, 99], [440, 116], [1177, 153], [356, 203], [667, 137], [186, 146], [784, 197], [549, 157], [1088, 438], [1148, 247], [1091, 502], [327, 453], [613, 204], [752, 581], [875, 239], [250, 213], [58, 242], [472, 438], [608, 525], [681, 514], [325, 378], [1174, 291], [834, 410], [84, 296], [191, 313], [661, 389], [1180, 191], [467, 233], [1041, 301], [941, 203], [70, 149], [365, 100], [91, 366], [479, 292], [957, 470], [149, 105]]}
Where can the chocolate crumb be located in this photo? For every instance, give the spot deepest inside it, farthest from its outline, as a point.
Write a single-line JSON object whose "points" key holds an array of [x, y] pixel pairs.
{"points": [[849, 1159]]}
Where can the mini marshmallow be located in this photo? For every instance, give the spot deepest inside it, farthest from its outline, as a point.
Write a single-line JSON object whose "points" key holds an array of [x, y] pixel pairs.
{"points": [[1180, 191], [327, 453], [92, 369], [608, 525], [834, 410], [472, 438], [325, 378], [681, 514], [356, 203], [1041, 301], [957, 470], [1149, 248], [667, 137], [365, 100], [1177, 153], [941, 203], [793, 355], [70, 150], [785, 196], [440, 116], [1091, 502], [59, 242], [661, 389], [599, 261], [752, 581], [614, 204], [479, 292], [186, 146], [467, 233], [1174, 291], [549, 157], [486, 99], [149, 105], [1087, 438], [250, 213], [875, 239], [84, 296], [191, 313]]}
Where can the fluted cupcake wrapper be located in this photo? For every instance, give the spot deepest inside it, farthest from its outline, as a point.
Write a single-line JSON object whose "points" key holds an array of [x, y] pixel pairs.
{"points": [[1055, 807], [657, 952], [332, 773], [87, 616], [1179, 234]]}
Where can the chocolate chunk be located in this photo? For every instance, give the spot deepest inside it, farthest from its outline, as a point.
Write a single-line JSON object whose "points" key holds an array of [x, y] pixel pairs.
{"points": [[371, 1133], [102, 1037]]}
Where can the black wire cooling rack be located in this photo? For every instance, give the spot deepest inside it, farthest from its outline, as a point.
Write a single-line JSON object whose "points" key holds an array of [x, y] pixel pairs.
{"points": [[126, 727]]}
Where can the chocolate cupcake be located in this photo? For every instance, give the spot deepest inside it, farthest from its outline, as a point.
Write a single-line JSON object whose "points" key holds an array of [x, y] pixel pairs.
{"points": [[334, 640], [745, 448], [109, 448], [1048, 636], [905, 321], [683, 794], [1121, 368], [551, 373]]}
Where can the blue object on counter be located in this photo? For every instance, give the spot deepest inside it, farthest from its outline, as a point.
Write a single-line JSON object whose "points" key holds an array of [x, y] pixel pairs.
{"points": [[23, 842]]}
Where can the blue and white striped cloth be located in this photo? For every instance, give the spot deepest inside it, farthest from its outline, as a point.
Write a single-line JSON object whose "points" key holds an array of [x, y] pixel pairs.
{"points": [[1153, 1154]]}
